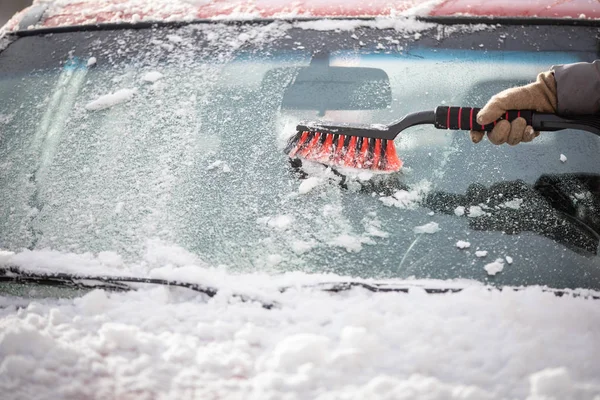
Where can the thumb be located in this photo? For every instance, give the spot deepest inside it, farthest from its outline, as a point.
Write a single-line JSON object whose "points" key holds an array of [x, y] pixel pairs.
{"points": [[493, 110]]}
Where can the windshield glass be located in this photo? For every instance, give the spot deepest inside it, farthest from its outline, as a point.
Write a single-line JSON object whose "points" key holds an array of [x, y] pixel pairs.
{"points": [[124, 140]]}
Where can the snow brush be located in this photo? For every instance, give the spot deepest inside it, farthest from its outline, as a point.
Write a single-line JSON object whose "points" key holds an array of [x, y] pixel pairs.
{"points": [[372, 146]]}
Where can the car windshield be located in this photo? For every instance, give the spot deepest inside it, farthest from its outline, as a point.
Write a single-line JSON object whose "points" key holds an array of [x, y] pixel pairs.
{"points": [[123, 140]]}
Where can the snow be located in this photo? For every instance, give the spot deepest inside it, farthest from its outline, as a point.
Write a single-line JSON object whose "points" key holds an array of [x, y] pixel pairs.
{"points": [[494, 267], [515, 204], [352, 244], [152, 76], [301, 246], [407, 199], [509, 259], [172, 343], [430, 227], [459, 211], [280, 222], [481, 253], [91, 61], [563, 158], [476, 211], [219, 164], [309, 184], [111, 99], [461, 244], [161, 342]]}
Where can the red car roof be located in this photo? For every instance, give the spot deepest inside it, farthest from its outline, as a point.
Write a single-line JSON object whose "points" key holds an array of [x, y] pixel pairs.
{"points": [[79, 12]]}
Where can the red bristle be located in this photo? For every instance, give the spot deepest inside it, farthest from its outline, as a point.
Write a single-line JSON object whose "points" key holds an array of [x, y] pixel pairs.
{"points": [[348, 159], [339, 149], [362, 154], [310, 147], [299, 144], [376, 154], [326, 149], [392, 162]]}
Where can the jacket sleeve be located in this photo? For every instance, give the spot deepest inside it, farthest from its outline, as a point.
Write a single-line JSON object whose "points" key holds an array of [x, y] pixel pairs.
{"points": [[578, 88]]}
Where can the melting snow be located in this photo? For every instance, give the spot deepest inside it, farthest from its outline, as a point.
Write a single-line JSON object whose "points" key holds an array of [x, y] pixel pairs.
{"points": [[563, 158], [481, 253], [152, 76], [407, 199], [92, 61], [509, 259], [459, 211], [494, 267], [515, 204], [461, 244], [352, 244], [112, 99], [309, 184], [280, 222], [301, 246], [219, 163], [431, 227], [476, 211]]}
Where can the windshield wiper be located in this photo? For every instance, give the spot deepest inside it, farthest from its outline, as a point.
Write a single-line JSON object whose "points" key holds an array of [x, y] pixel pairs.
{"points": [[121, 284], [114, 283], [337, 287]]}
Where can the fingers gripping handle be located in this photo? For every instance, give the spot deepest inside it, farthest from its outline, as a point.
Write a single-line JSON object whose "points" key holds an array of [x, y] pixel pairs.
{"points": [[465, 118]]}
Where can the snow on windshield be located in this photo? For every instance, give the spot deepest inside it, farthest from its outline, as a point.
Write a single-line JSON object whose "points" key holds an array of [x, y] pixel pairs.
{"points": [[163, 158], [178, 134]]}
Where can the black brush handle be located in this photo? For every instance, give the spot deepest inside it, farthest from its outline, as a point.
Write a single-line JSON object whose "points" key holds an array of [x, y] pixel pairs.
{"points": [[465, 118]]}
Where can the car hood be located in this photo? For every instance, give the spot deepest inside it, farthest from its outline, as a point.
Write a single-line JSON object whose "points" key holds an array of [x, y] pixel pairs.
{"points": [[45, 14]]}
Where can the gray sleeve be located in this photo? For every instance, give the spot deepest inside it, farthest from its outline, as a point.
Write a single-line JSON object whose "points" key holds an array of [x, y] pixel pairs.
{"points": [[578, 88]]}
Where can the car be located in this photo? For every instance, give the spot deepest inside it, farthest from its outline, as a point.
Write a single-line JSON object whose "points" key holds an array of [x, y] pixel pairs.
{"points": [[157, 241]]}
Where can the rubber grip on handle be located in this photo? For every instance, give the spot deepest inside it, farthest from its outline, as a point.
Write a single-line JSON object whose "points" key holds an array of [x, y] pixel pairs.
{"points": [[465, 118]]}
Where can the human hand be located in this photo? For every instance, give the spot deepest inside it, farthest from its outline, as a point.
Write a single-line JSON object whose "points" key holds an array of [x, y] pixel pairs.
{"points": [[538, 96]]}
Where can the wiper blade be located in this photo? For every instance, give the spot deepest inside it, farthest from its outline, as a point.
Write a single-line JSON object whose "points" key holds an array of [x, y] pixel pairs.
{"points": [[113, 283], [337, 287]]}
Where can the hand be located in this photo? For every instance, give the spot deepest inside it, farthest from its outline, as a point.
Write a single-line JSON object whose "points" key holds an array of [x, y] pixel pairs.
{"points": [[539, 96]]}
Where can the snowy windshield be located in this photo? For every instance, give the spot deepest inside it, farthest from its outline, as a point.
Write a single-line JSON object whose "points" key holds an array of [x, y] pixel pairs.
{"points": [[119, 141]]}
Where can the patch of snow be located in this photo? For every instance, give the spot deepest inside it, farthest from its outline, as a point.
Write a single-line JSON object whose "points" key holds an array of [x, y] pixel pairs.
{"points": [[404, 25], [407, 199], [111, 99], [301, 246], [459, 211], [152, 76], [494, 267], [431, 227], [563, 158], [280, 222], [168, 343], [515, 204], [219, 164], [461, 244], [509, 259], [476, 211], [373, 227], [481, 253], [91, 62], [352, 244], [309, 184], [274, 259], [174, 38]]}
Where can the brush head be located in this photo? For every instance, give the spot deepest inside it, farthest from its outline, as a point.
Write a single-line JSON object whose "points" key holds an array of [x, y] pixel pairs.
{"points": [[343, 147]]}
